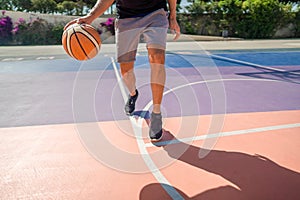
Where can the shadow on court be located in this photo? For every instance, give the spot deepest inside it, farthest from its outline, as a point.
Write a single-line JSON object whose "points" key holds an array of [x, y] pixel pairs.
{"points": [[292, 76], [256, 176], [264, 72]]}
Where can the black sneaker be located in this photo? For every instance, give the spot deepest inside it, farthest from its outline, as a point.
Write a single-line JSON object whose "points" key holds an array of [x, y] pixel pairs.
{"points": [[130, 105], [155, 131]]}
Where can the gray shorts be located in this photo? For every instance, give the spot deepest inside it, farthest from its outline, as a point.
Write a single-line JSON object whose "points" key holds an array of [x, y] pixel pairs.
{"points": [[153, 27]]}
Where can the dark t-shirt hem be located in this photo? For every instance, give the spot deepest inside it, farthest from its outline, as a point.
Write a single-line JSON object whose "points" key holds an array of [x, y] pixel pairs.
{"points": [[138, 8], [138, 15]]}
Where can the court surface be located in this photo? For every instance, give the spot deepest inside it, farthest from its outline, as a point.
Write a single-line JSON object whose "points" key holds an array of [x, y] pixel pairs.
{"points": [[231, 124]]}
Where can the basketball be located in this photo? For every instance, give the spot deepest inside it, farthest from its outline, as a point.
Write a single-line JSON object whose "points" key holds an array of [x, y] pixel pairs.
{"points": [[81, 41]]}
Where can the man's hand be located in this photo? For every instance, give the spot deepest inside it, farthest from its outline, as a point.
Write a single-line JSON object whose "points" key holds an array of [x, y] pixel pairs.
{"points": [[100, 7], [81, 20], [175, 29]]}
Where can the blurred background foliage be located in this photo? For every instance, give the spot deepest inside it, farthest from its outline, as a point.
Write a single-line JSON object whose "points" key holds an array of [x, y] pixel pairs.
{"points": [[239, 18]]}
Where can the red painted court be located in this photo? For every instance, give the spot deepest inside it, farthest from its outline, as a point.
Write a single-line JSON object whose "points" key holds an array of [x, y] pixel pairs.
{"points": [[50, 162]]}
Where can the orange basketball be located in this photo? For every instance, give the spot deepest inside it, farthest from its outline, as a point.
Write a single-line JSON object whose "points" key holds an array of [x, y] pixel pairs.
{"points": [[81, 41]]}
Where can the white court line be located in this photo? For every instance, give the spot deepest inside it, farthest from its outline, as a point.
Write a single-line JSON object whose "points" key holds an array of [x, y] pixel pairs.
{"points": [[215, 134], [45, 58], [209, 81], [143, 150], [251, 64], [12, 59], [143, 146], [224, 134]]}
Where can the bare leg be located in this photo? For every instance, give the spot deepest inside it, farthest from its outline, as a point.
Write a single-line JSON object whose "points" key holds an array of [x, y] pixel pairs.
{"points": [[158, 76], [128, 76]]}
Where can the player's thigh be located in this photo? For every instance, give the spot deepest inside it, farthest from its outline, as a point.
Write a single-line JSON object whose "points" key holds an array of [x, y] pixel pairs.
{"points": [[155, 34], [127, 39]]}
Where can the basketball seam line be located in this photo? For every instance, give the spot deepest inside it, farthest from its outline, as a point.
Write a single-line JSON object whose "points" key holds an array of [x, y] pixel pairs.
{"points": [[68, 43], [74, 32], [87, 37], [91, 36]]}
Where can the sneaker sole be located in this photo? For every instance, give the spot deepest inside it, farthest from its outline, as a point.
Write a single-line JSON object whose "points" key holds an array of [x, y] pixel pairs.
{"points": [[128, 114], [156, 140]]}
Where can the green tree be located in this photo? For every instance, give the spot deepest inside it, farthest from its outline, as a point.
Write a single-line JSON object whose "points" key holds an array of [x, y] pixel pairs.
{"points": [[44, 6], [67, 7], [197, 7], [6, 5], [262, 18], [79, 7], [242, 18], [23, 5], [290, 1], [297, 22], [253, 18], [90, 3]]}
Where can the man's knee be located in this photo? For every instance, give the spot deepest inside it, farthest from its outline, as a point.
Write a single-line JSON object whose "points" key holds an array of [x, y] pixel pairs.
{"points": [[126, 68], [156, 56]]}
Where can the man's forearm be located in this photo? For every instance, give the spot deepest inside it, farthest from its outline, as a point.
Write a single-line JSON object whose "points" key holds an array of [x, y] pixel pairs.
{"points": [[100, 7], [172, 8]]}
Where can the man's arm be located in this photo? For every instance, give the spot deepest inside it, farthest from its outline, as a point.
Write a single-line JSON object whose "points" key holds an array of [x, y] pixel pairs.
{"points": [[99, 8], [172, 8], [173, 21]]}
